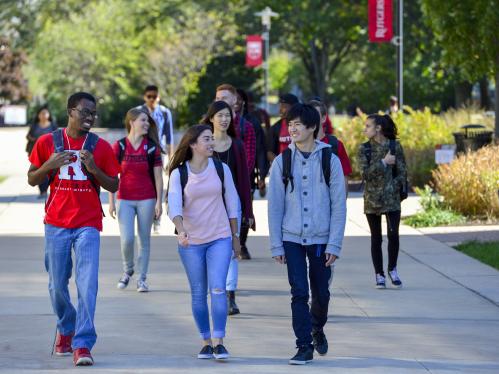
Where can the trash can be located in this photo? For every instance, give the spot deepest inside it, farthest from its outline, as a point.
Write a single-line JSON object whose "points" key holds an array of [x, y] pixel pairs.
{"points": [[471, 138]]}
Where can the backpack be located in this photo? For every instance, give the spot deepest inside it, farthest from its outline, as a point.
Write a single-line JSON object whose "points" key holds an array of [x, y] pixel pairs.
{"points": [[286, 167], [184, 176], [89, 145], [333, 142], [151, 156], [368, 153]]}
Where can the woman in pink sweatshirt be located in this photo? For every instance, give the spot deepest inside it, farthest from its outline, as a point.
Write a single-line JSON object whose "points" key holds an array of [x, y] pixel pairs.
{"points": [[203, 205]]}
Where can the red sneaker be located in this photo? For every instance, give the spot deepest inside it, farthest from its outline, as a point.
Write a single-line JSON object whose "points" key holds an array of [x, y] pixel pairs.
{"points": [[63, 344], [82, 357]]}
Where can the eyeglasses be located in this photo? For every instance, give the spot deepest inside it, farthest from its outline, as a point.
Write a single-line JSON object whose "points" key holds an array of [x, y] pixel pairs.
{"points": [[84, 113], [152, 96]]}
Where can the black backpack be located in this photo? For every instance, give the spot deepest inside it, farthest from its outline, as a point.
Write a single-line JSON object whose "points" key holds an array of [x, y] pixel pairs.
{"points": [[368, 153], [89, 145], [151, 156], [286, 166]]}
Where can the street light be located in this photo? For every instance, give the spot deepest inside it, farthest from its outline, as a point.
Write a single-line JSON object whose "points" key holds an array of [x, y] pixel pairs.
{"points": [[266, 15]]}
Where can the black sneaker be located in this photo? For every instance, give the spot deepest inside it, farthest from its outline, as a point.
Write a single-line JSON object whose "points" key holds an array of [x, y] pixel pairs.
{"points": [[304, 355], [394, 277], [245, 255], [232, 307], [220, 352], [206, 353], [320, 342]]}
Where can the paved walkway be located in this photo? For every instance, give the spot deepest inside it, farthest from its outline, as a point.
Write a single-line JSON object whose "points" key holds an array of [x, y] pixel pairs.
{"points": [[445, 320]]}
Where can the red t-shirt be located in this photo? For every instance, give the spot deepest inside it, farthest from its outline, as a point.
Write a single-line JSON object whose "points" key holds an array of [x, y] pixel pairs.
{"points": [[73, 202], [135, 181], [342, 155], [284, 137]]}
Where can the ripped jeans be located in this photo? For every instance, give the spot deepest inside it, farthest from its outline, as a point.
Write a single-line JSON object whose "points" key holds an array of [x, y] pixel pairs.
{"points": [[206, 266]]}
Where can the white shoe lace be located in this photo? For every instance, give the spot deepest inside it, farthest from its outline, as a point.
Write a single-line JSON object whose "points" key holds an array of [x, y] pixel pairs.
{"points": [[142, 285]]}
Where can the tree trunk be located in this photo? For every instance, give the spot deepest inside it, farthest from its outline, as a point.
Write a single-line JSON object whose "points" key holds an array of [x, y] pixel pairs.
{"points": [[462, 93], [485, 102]]}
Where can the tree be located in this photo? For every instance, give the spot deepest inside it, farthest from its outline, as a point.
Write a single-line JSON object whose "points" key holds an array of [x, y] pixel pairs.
{"points": [[467, 31], [322, 33], [13, 86]]}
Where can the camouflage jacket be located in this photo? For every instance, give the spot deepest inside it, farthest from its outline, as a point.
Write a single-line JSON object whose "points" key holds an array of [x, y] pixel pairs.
{"points": [[381, 190]]}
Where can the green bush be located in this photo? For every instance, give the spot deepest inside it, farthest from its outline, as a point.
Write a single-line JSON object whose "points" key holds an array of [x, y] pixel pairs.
{"points": [[419, 131], [470, 184]]}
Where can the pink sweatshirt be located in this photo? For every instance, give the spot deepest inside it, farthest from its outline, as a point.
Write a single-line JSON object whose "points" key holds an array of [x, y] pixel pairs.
{"points": [[204, 214]]}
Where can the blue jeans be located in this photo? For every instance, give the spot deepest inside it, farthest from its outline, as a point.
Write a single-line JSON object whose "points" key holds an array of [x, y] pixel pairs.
{"points": [[233, 274], [206, 266], [144, 211], [85, 241], [308, 319]]}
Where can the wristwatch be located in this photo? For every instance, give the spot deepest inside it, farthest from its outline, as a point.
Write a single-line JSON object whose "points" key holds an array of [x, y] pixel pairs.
{"points": [[236, 234]]}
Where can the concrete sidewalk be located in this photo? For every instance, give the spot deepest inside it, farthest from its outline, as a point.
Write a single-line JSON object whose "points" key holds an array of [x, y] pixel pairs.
{"points": [[445, 320]]}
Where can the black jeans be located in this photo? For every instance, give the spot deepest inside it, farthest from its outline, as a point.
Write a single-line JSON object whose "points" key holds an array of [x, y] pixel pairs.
{"points": [[305, 319], [392, 223]]}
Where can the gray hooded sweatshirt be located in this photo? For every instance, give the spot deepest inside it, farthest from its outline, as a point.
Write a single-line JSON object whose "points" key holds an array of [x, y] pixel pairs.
{"points": [[312, 213]]}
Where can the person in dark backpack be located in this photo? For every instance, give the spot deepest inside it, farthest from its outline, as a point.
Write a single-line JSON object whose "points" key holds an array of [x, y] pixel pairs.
{"points": [[230, 150], [77, 162], [336, 144], [384, 172], [203, 206], [140, 192], [307, 215]]}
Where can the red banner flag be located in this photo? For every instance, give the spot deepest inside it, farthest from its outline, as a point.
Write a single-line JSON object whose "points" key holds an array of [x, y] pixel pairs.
{"points": [[380, 20], [254, 51]]}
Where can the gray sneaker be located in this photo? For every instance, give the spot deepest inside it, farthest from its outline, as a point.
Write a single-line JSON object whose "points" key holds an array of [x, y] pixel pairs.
{"points": [[142, 286]]}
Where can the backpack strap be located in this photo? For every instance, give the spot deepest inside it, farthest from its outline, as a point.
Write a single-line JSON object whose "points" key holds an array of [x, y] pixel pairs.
{"points": [[90, 145], [326, 164], [368, 151], [220, 171], [333, 142], [151, 158], [392, 147], [58, 141], [121, 154], [286, 169], [184, 175]]}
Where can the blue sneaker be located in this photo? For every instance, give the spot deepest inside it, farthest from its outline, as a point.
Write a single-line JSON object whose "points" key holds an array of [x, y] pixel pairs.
{"points": [[380, 281], [394, 277]]}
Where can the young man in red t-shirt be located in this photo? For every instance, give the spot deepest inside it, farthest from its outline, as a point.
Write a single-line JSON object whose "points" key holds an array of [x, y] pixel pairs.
{"points": [[323, 137], [73, 219], [278, 136]]}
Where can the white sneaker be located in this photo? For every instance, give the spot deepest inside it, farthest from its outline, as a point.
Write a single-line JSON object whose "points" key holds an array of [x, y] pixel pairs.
{"points": [[156, 225], [380, 281], [142, 286]]}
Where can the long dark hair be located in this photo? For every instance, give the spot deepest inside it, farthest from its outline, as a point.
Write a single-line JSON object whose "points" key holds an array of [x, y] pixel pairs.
{"points": [[35, 121], [152, 133], [388, 127], [213, 109], [183, 152]]}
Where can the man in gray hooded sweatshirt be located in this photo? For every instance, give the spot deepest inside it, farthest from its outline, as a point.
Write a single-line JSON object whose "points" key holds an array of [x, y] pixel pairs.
{"points": [[307, 214]]}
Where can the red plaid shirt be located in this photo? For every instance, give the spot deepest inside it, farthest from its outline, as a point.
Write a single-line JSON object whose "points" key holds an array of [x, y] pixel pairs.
{"points": [[249, 140]]}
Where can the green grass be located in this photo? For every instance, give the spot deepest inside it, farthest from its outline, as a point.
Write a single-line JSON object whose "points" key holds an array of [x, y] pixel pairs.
{"points": [[486, 252], [434, 217], [2, 178]]}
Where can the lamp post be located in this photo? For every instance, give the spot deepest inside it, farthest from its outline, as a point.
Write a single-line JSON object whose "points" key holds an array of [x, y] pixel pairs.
{"points": [[399, 43], [266, 16]]}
